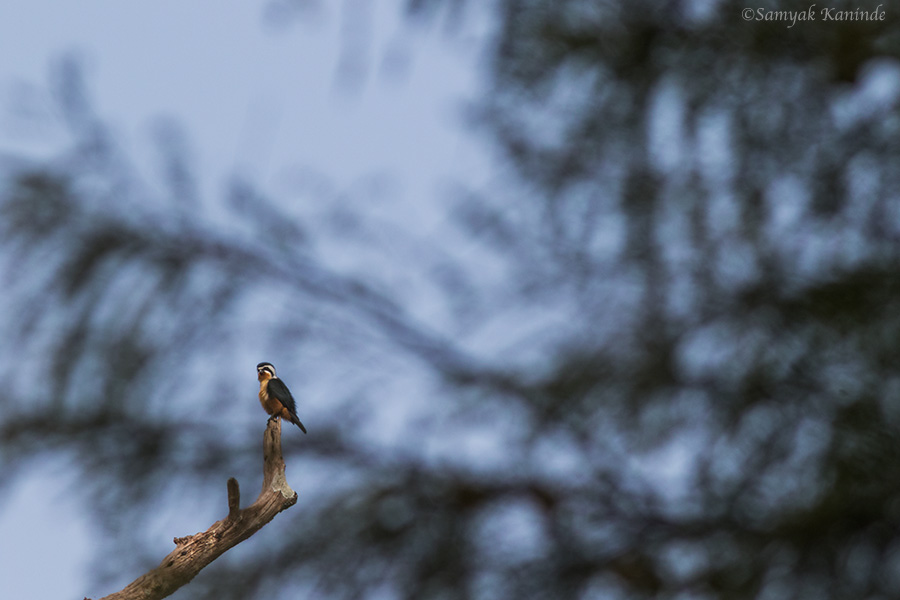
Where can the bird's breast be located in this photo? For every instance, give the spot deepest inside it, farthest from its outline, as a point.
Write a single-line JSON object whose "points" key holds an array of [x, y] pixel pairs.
{"points": [[269, 404]]}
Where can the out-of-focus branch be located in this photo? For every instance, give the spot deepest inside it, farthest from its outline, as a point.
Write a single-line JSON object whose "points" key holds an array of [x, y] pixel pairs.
{"points": [[194, 552]]}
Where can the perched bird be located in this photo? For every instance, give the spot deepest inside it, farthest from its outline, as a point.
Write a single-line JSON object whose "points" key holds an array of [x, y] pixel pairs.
{"points": [[275, 397]]}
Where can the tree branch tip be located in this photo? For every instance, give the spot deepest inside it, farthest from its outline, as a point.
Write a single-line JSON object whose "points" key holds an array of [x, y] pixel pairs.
{"points": [[234, 498]]}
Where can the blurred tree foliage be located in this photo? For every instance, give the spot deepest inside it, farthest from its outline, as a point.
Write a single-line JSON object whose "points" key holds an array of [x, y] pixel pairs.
{"points": [[661, 360]]}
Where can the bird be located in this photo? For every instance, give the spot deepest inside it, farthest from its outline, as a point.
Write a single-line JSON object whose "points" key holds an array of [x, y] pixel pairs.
{"points": [[275, 397]]}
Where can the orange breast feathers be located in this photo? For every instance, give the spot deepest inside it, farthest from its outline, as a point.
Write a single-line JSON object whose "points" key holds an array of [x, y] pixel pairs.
{"points": [[271, 405]]}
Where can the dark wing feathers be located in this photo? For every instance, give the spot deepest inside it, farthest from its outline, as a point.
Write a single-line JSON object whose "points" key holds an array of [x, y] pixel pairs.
{"points": [[280, 392]]}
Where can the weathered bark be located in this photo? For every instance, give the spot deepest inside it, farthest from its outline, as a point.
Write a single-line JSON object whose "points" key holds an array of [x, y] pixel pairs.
{"points": [[194, 552]]}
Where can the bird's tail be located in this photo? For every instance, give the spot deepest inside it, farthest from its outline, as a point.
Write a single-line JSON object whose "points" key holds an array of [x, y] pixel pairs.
{"points": [[296, 421]]}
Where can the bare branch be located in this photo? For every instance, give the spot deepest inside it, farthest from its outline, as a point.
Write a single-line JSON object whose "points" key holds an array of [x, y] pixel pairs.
{"points": [[194, 552]]}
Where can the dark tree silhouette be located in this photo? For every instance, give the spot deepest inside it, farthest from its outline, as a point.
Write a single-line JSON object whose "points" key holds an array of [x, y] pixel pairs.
{"points": [[660, 360]]}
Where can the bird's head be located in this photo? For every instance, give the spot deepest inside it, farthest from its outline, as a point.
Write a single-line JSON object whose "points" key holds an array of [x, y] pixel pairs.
{"points": [[265, 370]]}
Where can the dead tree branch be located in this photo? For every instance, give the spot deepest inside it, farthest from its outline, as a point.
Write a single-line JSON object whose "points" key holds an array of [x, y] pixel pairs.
{"points": [[194, 552]]}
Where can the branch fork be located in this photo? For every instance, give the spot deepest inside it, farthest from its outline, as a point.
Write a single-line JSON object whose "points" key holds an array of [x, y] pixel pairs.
{"points": [[193, 552]]}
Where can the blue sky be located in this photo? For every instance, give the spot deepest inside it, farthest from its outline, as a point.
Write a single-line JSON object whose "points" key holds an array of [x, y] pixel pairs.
{"points": [[349, 91]]}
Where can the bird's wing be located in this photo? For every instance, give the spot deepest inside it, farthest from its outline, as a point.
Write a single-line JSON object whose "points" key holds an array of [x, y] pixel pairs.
{"points": [[280, 392]]}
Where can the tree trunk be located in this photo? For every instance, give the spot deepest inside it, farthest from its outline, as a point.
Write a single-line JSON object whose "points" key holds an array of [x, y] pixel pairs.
{"points": [[194, 552]]}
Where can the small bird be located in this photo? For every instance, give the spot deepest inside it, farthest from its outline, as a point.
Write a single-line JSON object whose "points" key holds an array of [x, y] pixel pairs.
{"points": [[275, 397]]}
